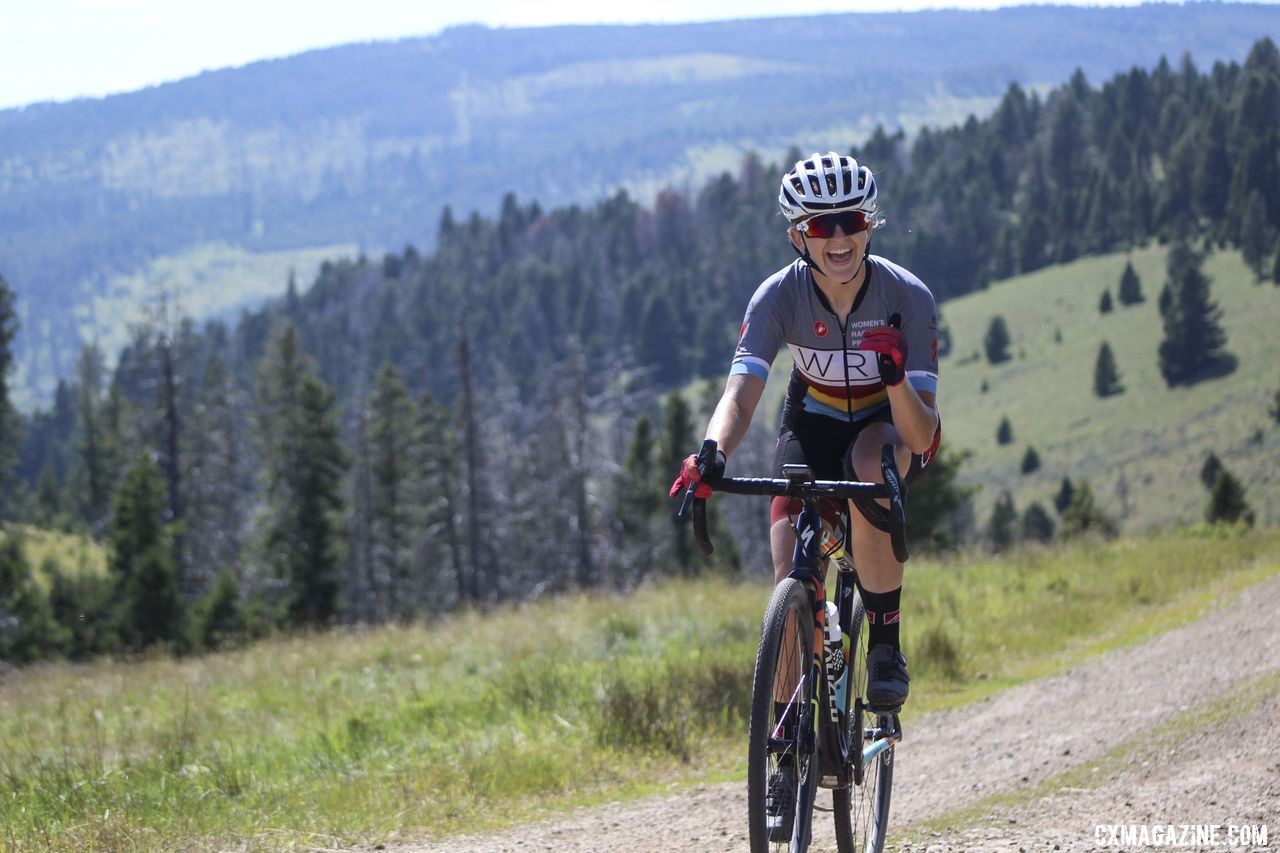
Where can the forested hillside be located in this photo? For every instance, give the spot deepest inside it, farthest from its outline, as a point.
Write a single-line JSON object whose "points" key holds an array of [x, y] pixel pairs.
{"points": [[427, 429], [365, 144]]}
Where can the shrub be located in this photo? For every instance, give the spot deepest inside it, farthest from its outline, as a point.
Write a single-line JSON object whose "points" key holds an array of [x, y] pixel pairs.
{"points": [[1001, 531], [1130, 291], [1226, 501], [1037, 525], [996, 341], [1063, 498], [218, 620], [1083, 515], [1210, 470], [1004, 432], [1106, 378]]}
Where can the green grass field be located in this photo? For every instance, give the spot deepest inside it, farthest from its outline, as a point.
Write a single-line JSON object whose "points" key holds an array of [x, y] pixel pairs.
{"points": [[479, 720]]}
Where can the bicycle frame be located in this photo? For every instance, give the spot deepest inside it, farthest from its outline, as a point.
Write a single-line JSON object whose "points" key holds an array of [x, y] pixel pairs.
{"points": [[837, 753]]}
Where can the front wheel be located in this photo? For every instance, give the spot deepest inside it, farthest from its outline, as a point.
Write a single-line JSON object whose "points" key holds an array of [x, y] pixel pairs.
{"points": [[861, 808], [781, 732]]}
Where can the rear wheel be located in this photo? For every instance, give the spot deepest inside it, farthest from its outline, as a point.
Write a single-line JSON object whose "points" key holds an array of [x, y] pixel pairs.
{"points": [[862, 808], [782, 719]]}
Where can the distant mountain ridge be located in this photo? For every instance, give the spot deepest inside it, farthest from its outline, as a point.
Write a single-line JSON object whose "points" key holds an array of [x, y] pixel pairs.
{"points": [[366, 143]]}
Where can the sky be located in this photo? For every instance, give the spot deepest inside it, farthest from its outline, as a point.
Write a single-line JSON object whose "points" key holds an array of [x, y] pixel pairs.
{"points": [[55, 50]]}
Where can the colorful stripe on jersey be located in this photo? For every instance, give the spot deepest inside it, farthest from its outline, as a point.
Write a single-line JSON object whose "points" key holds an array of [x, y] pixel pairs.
{"points": [[743, 363]]}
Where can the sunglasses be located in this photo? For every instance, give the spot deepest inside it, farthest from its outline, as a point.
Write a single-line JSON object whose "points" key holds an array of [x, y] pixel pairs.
{"points": [[824, 225]]}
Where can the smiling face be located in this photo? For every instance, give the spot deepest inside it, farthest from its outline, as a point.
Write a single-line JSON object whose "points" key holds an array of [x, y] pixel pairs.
{"points": [[837, 257]]}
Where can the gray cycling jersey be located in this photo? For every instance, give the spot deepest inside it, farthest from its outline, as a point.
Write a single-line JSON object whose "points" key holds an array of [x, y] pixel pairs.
{"points": [[831, 375]]}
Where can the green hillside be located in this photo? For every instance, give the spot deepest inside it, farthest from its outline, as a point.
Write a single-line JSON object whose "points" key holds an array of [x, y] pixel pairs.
{"points": [[1140, 450], [204, 281]]}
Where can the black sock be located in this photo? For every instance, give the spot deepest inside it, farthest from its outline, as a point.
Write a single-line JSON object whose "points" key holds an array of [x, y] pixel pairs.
{"points": [[882, 616]]}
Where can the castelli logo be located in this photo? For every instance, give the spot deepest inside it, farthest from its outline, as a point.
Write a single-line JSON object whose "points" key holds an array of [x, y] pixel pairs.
{"points": [[821, 328]]}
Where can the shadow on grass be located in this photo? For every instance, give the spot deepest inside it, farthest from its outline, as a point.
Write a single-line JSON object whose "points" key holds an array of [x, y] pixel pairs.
{"points": [[1216, 368]]}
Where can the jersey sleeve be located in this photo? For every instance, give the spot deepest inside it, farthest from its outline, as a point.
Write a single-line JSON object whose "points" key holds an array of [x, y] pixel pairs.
{"points": [[762, 332], [921, 330]]}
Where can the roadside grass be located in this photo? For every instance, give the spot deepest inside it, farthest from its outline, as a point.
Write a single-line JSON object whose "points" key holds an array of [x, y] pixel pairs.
{"points": [[981, 624], [484, 719]]}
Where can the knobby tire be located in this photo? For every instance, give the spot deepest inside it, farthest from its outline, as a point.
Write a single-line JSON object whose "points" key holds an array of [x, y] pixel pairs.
{"points": [[783, 667]]}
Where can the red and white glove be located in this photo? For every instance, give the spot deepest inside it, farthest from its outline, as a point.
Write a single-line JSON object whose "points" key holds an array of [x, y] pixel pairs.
{"points": [[890, 346], [689, 474]]}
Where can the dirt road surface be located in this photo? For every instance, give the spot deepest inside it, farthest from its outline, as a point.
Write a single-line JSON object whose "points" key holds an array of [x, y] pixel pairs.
{"points": [[1186, 765]]}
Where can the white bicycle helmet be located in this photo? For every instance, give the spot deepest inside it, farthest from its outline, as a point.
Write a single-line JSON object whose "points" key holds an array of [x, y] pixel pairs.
{"points": [[825, 183]]}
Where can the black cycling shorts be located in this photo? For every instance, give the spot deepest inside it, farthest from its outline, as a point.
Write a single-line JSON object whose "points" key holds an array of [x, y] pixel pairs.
{"points": [[823, 444]]}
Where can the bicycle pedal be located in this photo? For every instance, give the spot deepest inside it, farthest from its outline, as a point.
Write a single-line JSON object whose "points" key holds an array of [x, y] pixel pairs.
{"points": [[833, 782]]}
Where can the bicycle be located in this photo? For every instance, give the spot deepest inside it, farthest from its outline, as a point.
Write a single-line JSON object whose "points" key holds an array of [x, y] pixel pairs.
{"points": [[802, 720]]}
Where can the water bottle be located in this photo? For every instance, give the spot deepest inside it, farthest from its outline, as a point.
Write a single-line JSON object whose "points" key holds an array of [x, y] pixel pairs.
{"points": [[837, 671]]}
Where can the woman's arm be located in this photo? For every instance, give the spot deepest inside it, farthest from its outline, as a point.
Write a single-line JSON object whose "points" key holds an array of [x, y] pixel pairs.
{"points": [[915, 415], [732, 417]]}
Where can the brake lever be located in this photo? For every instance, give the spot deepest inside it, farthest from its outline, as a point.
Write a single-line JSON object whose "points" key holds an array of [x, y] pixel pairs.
{"points": [[692, 504], [705, 455]]}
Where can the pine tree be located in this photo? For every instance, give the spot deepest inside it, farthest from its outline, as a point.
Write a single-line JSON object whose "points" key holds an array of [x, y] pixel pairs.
{"points": [[1030, 461], [150, 609], [83, 605], [1106, 378], [1105, 304], [1083, 515], [1226, 501], [303, 465], [1193, 337], [391, 435], [678, 443], [437, 499], [1066, 493], [1256, 235], [1275, 264], [1210, 470], [1004, 432], [28, 631], [48, 497], [363, 591], [996, 341], [218, 620], [1002, 526], [478, 563], [1130, 286], [214, 482], [93, 470], [9, 425], [639, 505], [1037, 525]]}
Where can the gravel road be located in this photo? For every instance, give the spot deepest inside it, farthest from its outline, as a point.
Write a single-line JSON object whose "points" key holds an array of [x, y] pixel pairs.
{"points": [[1199, 770]]}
